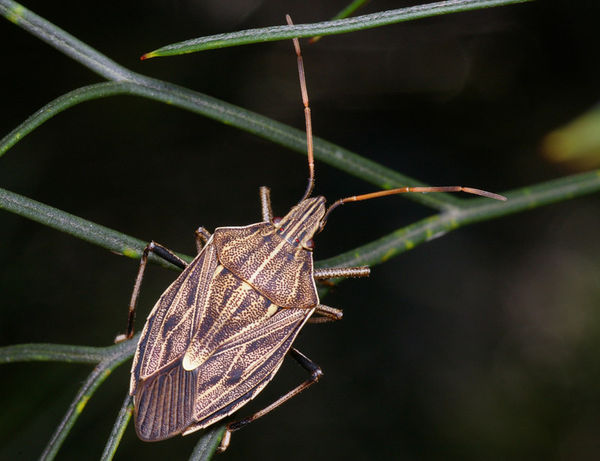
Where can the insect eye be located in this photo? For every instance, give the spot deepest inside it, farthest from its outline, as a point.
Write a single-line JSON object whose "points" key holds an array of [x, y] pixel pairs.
{"points": [[310, 245]]}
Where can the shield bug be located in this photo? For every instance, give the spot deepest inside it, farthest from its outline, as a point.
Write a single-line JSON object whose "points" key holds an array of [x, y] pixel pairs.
{"points": [[219, 333]]}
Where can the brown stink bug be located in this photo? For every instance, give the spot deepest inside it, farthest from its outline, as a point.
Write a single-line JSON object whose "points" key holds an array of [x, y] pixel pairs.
{"points": [[219, 333]]}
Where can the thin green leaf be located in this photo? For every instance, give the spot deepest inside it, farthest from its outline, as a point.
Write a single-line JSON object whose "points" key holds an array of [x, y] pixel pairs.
{"points": [[231, 114], [77, 227], [345, 13], [292, 138], [207, 444], [86, 93], [193, 101], [118, 429], [121, 352], [340, 26], [350, 9], [40, 352], [65, 42], [43, 352], [375, 252]]}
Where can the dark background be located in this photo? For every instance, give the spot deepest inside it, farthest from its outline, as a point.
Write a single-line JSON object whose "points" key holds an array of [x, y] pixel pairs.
{"points": [[479, 345]]}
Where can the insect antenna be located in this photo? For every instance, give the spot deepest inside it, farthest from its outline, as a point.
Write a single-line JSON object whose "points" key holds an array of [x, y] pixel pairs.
{"points": [[309, 136], [404, 190], [356, 198]]}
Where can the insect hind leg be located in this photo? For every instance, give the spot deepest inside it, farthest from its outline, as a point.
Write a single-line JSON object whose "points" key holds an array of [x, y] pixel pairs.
{"points": [[326, 314], [306, 363], [161, 252]]}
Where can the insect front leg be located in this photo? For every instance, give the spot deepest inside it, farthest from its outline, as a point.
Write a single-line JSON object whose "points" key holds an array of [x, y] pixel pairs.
{"points": [[333, 272], [325, 313], [202, 236], [265, 204], [306, 363], [161, 252]]}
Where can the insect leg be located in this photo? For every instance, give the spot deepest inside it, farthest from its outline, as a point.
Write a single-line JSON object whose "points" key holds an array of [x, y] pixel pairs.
{"points": [[333, 272], [326, 314], [265, 204], [163, 253], [306, 363], [202, 236]]}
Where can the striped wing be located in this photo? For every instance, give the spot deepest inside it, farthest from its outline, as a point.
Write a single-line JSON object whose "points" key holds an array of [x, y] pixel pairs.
{"points": [[164, 403], [210, 344], [241, 368], [173, 320], [176, 400], [164, 393]]}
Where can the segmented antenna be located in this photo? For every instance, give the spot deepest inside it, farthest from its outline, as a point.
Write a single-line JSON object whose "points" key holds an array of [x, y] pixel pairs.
{"points": [[356, 198], [309, 136], [404, 190]]}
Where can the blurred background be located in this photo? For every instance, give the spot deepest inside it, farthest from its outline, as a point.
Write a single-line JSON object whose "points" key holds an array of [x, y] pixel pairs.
{"points": [[482, 344]]}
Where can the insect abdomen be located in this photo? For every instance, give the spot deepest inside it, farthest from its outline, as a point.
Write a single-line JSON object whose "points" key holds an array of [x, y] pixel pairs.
{"points": [[235, 340], [165, 403]]}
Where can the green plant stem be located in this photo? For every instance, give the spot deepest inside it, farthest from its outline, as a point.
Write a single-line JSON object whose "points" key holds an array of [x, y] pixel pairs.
{"points": [[86, 93], [41, 352], [207, 444], [58, 38], [479, 209], [118, 429], [378, 251], [119, 353], [230, 114], [349, 9], [340, 26], [343, 14], [80, 228], [129, 82]]}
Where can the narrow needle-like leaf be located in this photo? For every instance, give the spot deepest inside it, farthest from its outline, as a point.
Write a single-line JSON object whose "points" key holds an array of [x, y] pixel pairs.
{"points": [[77, 227], [118, 429], [231, 114], [343, 14], [121, 352], [340, 26], [40, 352], [479, 209], [64, 102], [65, 42], [207, 444]]}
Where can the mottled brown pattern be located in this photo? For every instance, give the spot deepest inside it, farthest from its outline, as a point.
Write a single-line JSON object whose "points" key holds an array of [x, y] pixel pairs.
{"points": [[233, 309], [220, 332], [244, 366], [165, 403], [174, 318], [277, 269], [210, 344]]}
